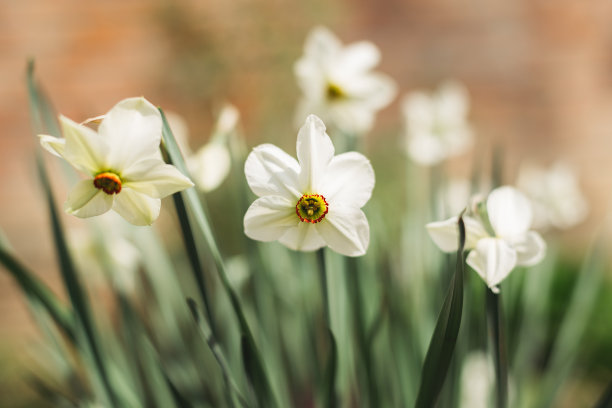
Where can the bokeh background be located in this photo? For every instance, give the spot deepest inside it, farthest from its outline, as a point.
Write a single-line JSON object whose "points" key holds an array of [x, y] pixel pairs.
{"points": [[539, 74]]}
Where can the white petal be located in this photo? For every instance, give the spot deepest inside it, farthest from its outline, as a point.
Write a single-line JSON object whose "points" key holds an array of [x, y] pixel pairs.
{"points": [[374, 90], [509, 212], [418, 110], [493, 260], [349, 180], [530, 248], [271, 171], [314, 150], [210, 166], [137, 208], [53, 145], [85, 200], [358, 57], [353, 118], [269, 218], [345, 230], [302, 237], [445, 234], [426, 149], [85, 149], [154, 178], [321, 44], [453, 102], [133, 130]]}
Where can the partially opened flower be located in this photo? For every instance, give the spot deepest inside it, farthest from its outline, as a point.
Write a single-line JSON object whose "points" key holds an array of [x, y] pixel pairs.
{"points": [[436, 124], [122, 163], [498, 238], [311, 202], [210, 164], [556, 196], [338, 84]]}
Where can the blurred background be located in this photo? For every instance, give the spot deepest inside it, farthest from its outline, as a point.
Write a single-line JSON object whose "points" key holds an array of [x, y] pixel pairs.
{"points": [[539, 75]]}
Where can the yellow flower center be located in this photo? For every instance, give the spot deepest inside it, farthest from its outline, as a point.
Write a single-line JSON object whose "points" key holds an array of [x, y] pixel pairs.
{"points": [[311, 208], [334, 92], [108, 182]]}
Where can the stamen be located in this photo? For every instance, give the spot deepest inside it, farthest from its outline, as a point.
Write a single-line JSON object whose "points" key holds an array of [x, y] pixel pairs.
{"points": [[108, 182], [334, 92], [311, 208]]}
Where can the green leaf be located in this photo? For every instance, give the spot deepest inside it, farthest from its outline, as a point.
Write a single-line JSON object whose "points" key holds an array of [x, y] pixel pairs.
{"points": [[605, 401], [498, 344], [442, 345], [42, 114], [197, 210], [331, 368], [37, 291]]}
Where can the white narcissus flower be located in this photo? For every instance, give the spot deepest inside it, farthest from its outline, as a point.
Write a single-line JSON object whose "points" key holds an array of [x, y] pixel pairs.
{"points": [[436, 124], [337, 82], [311, 202], [122, 162], [210, 164], [556, 196], [498, 243]]}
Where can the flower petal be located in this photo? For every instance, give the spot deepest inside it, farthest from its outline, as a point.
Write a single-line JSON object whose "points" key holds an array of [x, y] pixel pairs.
{"points": [[133, 130], [137, 208], [530, 248], [269, 218], [271, 171], [210, 165], [321, 44], [314, 151], [85, 200], [53, 145], [445, 234], [85, 150], [345, 230], [493, 260], [349, 180], [154, 178], [358, 57], [509, 212], [302, 237]]}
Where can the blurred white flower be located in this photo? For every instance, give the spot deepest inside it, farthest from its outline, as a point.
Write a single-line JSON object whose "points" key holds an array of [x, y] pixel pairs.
{"points": [[211, 163], [103, 248], [498, 240], [476, 381], [311, 202], [122, 160], [436, 124], [337, 82], [555, 194]]}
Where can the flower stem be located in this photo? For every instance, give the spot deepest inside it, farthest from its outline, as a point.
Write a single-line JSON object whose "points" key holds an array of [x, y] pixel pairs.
{"points": [[498, 344], [324, 289]]}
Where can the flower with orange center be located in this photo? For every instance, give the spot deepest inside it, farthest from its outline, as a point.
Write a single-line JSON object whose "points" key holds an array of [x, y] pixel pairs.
{"points": [[311, 202], [122, 162]]}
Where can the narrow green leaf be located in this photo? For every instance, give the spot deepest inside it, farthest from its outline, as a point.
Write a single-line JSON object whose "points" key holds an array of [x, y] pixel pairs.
{"points": [[197, 209], [212, 344], [442, 345], [40, 111], [37, 291], [331, 369]]}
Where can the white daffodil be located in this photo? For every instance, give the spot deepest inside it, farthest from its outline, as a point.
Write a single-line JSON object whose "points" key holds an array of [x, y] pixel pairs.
{"points": [[122, 161], [211, 163], [436, 124], [498, 240], [337, 82], [311, 202], [556, 196]]}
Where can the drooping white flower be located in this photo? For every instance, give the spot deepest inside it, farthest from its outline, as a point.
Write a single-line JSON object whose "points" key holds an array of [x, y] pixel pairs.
{"points": [[210, 164], [338, 84], [311, 202], [122, 162], [555, 194], [499, 240], [436, 124]]}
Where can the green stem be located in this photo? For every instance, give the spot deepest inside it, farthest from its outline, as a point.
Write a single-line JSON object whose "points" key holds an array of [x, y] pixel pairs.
{"points": [[498, 344]]}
